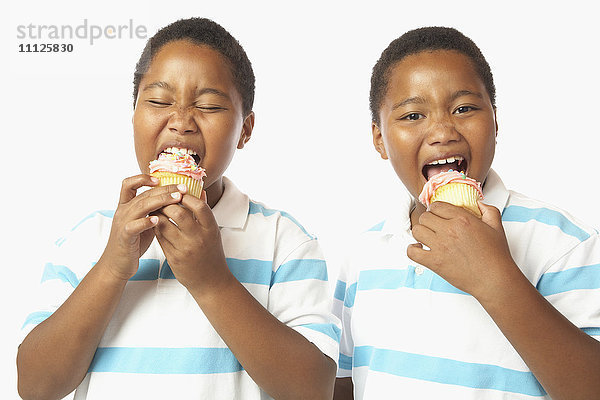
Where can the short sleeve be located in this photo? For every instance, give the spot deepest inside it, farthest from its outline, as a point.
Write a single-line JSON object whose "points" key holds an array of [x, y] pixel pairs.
{"points": [[69, 260], [572, 285], [299, 297]]}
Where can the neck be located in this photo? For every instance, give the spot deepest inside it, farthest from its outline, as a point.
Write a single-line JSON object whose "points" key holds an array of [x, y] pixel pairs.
{"points": [[214, 192]]}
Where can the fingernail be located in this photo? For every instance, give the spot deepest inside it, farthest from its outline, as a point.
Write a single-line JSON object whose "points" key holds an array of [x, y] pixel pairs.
{"points": [[182, 187], [176, 195], [154, 219], [155, 180]]}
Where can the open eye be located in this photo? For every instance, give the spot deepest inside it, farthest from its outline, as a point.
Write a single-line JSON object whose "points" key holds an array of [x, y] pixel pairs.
{"points": [[413, 117], [464, 109]]}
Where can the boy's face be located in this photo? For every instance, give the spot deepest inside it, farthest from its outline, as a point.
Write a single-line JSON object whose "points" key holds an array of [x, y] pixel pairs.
{"points": [[187, 99], [436, 108]]}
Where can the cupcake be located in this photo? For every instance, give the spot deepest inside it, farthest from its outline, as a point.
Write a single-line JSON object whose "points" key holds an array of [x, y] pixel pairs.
{"points": [[455, 188], [178, 167]]}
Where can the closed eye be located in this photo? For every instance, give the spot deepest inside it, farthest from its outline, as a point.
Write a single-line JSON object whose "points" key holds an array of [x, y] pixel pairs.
{"points": [[210, 109], [159, 103]]}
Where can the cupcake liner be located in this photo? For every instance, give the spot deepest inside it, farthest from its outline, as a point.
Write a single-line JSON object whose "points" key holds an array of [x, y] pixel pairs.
{"points": [[194, 187], [459, 194]]}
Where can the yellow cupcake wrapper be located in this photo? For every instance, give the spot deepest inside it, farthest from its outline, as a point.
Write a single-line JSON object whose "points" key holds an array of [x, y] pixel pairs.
{"points": [[460, 195], [194, 186]]}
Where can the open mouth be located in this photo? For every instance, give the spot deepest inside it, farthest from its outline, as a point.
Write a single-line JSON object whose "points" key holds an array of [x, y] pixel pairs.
{"points": [[456, 163], [181, 150]]}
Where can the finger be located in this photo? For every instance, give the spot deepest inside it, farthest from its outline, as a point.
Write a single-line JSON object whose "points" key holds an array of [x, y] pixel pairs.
{"points": [[180, 216], [136, 227], [445, 210], [432, 221], [200, 208], [416, 253], [491, 216], [423, 235], [155, 199], [130, 185], [166, 232]]}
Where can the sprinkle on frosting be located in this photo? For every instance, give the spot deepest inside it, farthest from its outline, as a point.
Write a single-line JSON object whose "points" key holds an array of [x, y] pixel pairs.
{"points": [[177, 163], [444, 178]]}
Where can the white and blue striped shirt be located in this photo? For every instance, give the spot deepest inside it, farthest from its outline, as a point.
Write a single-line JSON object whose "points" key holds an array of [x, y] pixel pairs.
{"points": [[407, 333], [159, 344]]}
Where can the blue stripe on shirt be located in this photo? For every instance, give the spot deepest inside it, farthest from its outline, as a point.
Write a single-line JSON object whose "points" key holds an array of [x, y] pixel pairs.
{"points": [[545, 216], [328, 329], [587, 277], [350, 295], [404, 278], [106, 213], [260, 271], [345, 362], [36, 318], [245, 271], [60, 272], [377, 227], [256, 208], [447, 371], [152, 360], [592, 331], [300, 269], [147, 270], [340, 290]]}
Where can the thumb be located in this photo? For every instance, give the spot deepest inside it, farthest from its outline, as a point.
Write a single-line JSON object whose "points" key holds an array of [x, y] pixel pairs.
{"points": [[491, 216]]}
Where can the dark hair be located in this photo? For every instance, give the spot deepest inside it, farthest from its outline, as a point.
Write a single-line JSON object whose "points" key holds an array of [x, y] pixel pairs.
{"points": [[202, 31], [425, 39]]}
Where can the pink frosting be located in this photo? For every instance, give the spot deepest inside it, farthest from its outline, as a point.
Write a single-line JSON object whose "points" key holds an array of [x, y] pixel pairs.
{"points": [[444, 178], [177, 163]]}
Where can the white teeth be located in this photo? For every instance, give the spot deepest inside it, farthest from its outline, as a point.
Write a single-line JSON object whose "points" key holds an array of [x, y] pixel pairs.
{"points": [[180, 150], [448, 160]]}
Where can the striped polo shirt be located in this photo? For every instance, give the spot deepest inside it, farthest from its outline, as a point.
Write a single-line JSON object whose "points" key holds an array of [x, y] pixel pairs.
{"points": [[407, 333], [159, 344]]}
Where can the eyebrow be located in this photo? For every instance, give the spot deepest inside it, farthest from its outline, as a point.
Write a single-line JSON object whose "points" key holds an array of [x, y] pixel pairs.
{"points": [[198, 93], [161, 84], [421, 100], [461, 93], [410, 100], [202, 91]]}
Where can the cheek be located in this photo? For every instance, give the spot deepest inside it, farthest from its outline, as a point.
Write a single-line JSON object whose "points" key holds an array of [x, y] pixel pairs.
{"points": [[146, 129]]}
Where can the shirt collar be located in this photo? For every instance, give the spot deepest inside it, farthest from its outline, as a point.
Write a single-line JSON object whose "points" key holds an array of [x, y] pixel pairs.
{"points": [[494, 193], [232, 209]]}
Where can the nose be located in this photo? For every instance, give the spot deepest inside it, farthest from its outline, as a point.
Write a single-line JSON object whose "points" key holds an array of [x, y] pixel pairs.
{"points": [[182, 122], [442, 131]]}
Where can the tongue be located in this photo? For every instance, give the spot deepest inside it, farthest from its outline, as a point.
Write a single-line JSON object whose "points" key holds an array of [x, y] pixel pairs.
{"points": [[432, 170]]}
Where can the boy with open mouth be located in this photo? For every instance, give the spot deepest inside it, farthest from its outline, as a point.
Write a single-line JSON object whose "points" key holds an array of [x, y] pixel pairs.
{"points": [[176, 294], [438, 303]]}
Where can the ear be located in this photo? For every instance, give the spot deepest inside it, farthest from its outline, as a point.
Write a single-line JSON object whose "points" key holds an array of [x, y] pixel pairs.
{"points": [[246, 130], [496, 121], [378, 141]]}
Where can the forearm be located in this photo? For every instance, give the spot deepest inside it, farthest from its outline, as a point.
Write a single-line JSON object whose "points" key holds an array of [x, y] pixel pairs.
{"points": [[280, 360], [564, 359], [54, 358]]}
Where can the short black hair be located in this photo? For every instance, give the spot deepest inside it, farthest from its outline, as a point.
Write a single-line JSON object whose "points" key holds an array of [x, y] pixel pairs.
{"points": [[203, 32], [425, 39]]}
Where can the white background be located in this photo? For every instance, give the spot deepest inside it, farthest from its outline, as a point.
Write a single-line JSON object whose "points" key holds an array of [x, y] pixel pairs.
{"points": [[67, 135]]}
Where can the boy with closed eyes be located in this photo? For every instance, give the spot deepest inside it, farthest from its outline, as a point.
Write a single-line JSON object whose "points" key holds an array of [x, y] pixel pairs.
{"points": [[177, 297]]}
